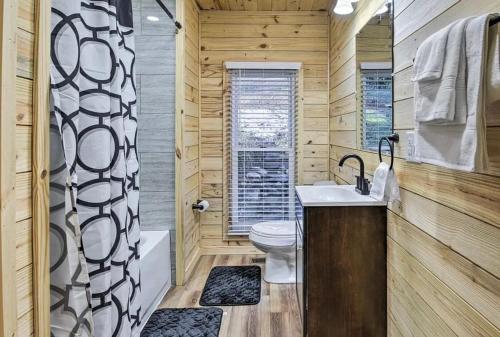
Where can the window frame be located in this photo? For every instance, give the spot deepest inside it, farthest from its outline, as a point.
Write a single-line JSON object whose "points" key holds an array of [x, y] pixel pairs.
{"points": [[226, 111]]}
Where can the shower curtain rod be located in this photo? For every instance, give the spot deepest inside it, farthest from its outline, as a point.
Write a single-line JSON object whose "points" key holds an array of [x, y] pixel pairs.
{"points": [[162, 5]]}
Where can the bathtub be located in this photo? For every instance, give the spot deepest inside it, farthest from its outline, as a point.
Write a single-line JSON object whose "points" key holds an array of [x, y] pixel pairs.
{"points": [[155, 270]]}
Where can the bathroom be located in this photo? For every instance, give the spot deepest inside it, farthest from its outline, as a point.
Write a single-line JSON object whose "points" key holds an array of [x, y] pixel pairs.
{"points": [[243, 195]]}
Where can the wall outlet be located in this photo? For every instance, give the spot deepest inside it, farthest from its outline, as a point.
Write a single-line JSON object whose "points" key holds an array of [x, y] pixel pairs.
{"points": [[411, 154]]}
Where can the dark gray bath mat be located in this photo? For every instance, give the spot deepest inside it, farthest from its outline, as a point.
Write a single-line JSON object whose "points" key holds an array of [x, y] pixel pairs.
{"points": [[232, 286], [193, 322]]}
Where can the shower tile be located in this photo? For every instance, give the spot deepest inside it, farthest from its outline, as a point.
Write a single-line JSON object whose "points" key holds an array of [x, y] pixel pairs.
{"points": [[155, 122], [157, 211], [154, 142], [155, 55], [158, 173], [154, 4], [164, 25], [158, 94]]}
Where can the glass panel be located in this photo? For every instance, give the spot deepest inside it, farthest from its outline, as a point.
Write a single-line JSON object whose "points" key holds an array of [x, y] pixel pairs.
{"points": [[374, 80]]}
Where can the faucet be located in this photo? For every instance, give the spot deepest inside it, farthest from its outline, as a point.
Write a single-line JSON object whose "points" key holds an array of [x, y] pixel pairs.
{"points": [[362, 184]]}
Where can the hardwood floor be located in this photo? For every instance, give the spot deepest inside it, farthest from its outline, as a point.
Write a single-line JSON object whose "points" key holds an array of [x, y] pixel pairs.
{"points": [[276, 315]]}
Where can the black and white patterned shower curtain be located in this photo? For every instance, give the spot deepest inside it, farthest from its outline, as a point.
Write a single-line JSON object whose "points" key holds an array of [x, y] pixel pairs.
{"points": [[95, 281]]}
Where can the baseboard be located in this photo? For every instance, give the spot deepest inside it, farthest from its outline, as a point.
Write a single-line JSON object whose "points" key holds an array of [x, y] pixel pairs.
{"points": [[231, 250]]}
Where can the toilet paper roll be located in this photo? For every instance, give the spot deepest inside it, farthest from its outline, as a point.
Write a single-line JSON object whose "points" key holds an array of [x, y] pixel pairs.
{"points": [[203, 206]]}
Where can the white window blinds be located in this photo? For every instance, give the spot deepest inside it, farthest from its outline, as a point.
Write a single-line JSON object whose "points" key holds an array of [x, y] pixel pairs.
{"points": [[260, 134], [376, 106]]}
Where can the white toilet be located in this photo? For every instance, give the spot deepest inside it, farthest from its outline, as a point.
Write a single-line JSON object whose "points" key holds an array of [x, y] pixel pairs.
{"points": [[277, 240]]}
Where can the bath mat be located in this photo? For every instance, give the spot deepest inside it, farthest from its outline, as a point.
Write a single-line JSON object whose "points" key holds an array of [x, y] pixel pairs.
{"points": [[194, 322], [232, 286]]}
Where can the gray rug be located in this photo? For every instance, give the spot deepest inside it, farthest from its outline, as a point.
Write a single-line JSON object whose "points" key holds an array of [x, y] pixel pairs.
{"points": [[232, 286], [193, 322]]}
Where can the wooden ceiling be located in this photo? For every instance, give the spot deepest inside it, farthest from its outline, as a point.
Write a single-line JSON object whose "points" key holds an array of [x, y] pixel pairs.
{"points": [[265, 5]]}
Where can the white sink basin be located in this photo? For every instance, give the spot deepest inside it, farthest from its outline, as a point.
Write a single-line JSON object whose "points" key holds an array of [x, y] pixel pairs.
{"points": [[337, 195]]}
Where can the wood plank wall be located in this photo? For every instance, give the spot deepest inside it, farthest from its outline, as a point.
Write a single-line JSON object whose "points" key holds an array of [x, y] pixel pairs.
{"points": [[444, 237], [24, 132], [259, 36], [190, 139]]}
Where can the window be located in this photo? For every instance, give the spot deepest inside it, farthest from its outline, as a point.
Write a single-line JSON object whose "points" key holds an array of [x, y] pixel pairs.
{"points": [[376, 106], [260, 135]]}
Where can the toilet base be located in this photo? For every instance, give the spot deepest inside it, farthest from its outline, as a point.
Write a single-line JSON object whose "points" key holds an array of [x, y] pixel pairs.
{"points": [[280, 267]]}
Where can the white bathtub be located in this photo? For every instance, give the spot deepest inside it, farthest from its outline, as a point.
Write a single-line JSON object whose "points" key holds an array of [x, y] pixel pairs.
{"points": [[155, 270]]}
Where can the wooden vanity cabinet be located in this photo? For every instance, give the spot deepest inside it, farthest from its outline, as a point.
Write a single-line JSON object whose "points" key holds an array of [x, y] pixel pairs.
{"points": [[341, 270]]}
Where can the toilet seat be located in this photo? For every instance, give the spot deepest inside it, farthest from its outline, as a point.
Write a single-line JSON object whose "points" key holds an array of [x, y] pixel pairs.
{"points": [[274, 233]]}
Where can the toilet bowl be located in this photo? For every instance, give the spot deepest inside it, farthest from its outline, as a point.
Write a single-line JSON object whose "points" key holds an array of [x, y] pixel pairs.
{"points": [[277, 240]]}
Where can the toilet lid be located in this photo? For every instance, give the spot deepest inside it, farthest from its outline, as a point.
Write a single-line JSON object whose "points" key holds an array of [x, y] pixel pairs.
{"points": [[282, 229]]}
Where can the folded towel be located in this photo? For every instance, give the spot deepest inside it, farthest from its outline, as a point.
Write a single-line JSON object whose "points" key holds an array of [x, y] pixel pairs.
{"points": [[462, 147], [385, 184], [442, 100], [430, 57]]}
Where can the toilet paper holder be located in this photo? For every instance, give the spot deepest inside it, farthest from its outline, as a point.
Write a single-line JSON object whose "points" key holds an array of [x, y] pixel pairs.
{"points": [[200, 205]]}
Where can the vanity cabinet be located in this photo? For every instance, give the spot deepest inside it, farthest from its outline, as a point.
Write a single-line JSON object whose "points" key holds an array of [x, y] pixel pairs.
{"points": [[341, 270]]}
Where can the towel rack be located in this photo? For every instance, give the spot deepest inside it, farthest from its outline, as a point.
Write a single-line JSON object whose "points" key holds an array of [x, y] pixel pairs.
{"points": [[394, 138]]}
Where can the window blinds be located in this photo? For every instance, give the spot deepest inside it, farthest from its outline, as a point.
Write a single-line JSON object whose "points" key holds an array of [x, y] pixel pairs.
{"points": [[376, 106], [260, 136]]}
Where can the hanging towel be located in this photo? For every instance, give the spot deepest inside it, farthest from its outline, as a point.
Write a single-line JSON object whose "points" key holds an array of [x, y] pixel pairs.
{"points": [[493, 75], [429, 60], [439, 75], [462, 147], [385, 184], [377, 190]]}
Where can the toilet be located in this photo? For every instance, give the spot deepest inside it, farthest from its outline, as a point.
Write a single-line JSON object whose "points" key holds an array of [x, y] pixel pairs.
{"points": [[277, 240]]}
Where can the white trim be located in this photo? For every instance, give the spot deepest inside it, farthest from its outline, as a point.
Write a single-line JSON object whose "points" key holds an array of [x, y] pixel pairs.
{"points": [[375, 65], [263, 65]]}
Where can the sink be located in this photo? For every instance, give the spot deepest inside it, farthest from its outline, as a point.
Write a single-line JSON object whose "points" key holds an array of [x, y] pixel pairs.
{"points": [[337, 195]]}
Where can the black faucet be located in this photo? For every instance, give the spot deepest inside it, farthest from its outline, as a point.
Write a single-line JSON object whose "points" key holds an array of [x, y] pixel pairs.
{"points": [[362, 184]]}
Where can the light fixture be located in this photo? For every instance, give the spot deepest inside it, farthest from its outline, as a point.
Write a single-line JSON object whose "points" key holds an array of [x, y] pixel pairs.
{"points": [[354, 1], [382, 9], [343, 7], [153, 18]]}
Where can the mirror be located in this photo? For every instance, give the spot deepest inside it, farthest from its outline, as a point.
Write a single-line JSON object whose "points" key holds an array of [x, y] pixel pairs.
{"points": [[374, 66]]}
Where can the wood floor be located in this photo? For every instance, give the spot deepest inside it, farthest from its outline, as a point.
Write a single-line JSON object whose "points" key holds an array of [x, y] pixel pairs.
{"points": [[276, 315]]}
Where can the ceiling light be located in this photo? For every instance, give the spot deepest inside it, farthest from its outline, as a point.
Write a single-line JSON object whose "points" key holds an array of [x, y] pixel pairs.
{"points": [[343, 7], [382, 9], [153, 18], [354, 0]]}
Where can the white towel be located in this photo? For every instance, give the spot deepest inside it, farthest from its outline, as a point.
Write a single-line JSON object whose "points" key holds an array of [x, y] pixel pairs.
{"points": [[429, 60], [377, 190], [462, 147], [493, 74], [440, 96], [385, 184]]}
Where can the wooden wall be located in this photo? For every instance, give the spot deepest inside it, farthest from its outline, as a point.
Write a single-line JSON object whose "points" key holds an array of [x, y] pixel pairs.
{"points": [[444, 237], [259, 36], [187, 101], [17, 287], [24, 132]]}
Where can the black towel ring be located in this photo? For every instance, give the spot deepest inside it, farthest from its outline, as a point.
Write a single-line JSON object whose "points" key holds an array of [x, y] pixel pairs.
{"points": [[394, 138]]}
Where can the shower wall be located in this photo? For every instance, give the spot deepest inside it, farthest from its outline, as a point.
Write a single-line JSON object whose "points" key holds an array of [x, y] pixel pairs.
{"points": [[155, 71]]}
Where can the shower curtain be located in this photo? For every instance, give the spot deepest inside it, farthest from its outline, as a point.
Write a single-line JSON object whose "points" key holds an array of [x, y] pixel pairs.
{"points": [[95, 281]]}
